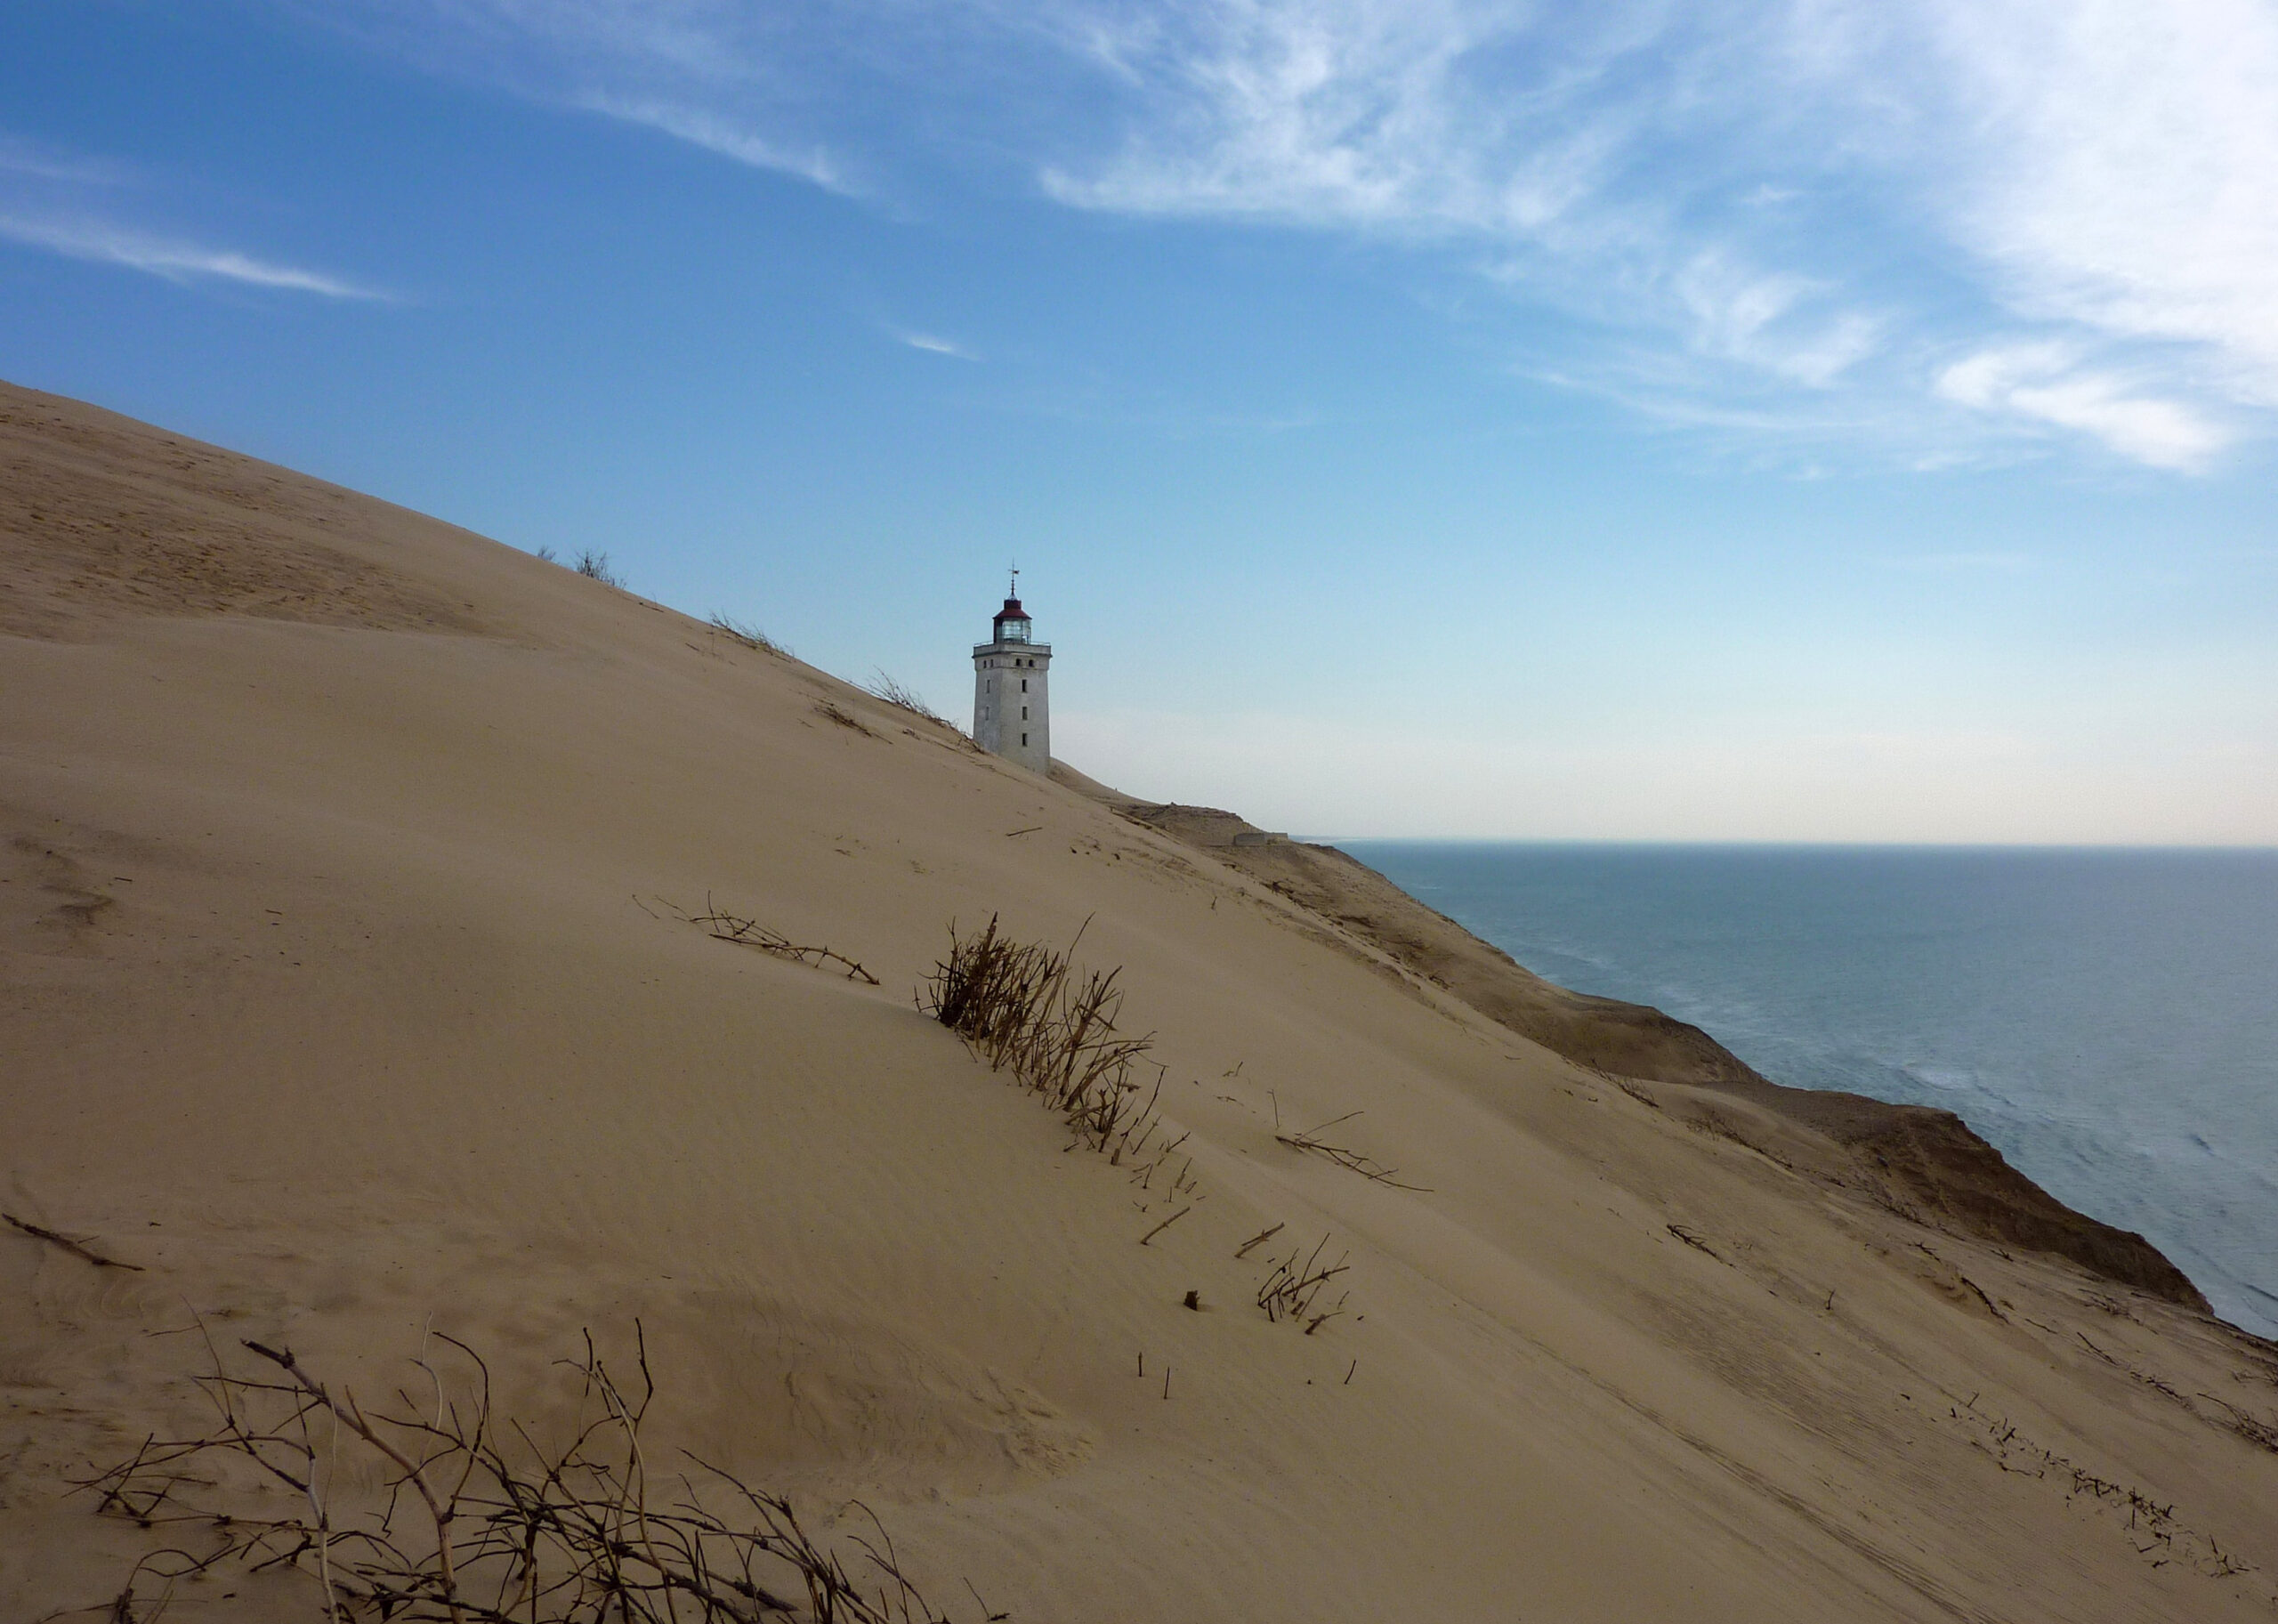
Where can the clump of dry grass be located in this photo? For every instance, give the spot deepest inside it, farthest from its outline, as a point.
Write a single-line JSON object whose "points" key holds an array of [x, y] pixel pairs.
{"points": [[1716, 1124], [883, 687], [502, 1530], [1635, 1090], [830, 712], [1026, 1009], [748, 634], [595, 565]]}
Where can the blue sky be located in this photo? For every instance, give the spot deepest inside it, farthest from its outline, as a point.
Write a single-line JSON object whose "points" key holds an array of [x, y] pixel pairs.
{"points": [[1815, 420]]}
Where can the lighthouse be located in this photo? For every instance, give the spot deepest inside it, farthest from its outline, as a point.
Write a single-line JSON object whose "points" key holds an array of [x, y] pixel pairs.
{"points": [[1012, 710]]}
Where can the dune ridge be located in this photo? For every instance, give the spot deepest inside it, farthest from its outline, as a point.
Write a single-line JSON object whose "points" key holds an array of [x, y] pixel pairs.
{"points": [[349, 991]]}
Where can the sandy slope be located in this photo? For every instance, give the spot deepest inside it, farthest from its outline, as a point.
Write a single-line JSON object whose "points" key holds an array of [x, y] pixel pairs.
{"points": [[1924, 1162], [337, 995]]}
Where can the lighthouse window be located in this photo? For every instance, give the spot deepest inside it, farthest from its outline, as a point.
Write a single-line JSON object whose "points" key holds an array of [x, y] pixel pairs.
{"points": [[1025, 713], [1024, 684], [1024, 738]]}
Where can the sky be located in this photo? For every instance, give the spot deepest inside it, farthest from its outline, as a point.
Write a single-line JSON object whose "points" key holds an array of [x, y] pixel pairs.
{"points": [[1828, 420]]}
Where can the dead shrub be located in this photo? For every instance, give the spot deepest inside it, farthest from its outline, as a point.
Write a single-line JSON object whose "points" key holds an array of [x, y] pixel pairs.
{"points": [[503, 1529]]}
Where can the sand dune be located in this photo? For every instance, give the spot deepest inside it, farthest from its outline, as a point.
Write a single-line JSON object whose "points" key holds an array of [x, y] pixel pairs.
{"points": [[345, 995], [1915, 1159]]}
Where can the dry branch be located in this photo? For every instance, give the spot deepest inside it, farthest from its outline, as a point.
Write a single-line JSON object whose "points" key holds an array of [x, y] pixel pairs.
{"points": [[74, 1247], [1366, 1166], [725, 926], [2263, 1435], [1165, 1224]]}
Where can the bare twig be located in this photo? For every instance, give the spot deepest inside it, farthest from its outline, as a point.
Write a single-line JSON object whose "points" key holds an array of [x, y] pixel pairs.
{"points": [[1262, 1236], [73, 1247], [1165, 1224]]}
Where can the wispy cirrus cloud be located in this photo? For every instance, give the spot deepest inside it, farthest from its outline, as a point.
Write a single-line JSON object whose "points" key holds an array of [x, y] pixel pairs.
{"points": [[2047, 383], [933, 344], [2119, 165], [175, 260], [1744, 204], [19, 157], [1741, 180], [68, 203], [717, 134]]}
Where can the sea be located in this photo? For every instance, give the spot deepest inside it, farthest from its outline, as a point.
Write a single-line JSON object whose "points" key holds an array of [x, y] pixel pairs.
{"points": [[2107, 1018]]}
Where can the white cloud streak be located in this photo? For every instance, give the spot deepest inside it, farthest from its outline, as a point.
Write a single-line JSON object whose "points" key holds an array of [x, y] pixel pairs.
{"points": [[2044, 381], [1730, 201], [176, 261], [32, 160], [714, 133], [933, 345], [2122, 172]]}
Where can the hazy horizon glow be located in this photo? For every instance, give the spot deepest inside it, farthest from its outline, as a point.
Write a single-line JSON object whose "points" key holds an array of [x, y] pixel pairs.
{"points": [[1819, 421]]}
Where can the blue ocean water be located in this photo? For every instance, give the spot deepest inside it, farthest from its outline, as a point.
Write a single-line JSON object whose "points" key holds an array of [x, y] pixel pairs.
{"points": [[2107, 1018]]}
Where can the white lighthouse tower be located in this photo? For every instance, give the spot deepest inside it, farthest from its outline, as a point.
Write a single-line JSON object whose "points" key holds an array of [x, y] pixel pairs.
{"points": [[1011, 709]]}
